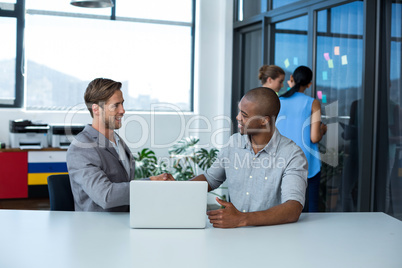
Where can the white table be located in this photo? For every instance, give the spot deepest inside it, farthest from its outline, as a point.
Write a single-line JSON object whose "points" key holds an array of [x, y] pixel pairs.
{"points": [[84, 239]]}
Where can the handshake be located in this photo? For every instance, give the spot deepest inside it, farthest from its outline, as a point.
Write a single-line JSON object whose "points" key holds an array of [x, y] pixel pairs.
{"points": [[162, 177]]}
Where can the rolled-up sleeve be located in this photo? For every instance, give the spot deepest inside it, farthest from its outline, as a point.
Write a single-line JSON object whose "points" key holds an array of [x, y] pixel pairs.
{"points": [[294, 180], [216, 174]]}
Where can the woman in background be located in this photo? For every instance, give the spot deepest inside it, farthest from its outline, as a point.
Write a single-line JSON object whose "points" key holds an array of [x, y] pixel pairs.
{"points": [[271, 76], [299, 119]]}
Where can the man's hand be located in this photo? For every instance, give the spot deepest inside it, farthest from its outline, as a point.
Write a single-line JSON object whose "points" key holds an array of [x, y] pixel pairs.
{"points": [[162, 177], [229, 217]]}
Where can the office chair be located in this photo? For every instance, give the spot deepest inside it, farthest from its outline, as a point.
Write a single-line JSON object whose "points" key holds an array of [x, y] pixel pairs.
{"points": [[60, 194]]}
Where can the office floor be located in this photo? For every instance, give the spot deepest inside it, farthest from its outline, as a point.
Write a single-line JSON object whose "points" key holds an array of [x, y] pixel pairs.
{"points": [[25, 204]]}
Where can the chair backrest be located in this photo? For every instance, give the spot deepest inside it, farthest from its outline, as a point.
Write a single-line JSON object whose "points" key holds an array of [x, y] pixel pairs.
{"points": [[60, 194]]}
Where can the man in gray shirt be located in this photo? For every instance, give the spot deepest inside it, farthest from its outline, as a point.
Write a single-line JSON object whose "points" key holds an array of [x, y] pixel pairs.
{"points": [[266, 172], [100, 164]]}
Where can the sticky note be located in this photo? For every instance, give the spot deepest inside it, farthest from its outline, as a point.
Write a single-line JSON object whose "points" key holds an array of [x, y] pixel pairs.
{"points": [[331, 64], [319, 94], [324, 98], [326, 56], [324, 75], [344, 60], [296, 61], [287, 63], [336, 50]]}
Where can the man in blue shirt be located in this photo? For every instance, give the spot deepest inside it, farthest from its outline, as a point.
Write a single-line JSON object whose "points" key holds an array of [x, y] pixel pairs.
{"points": [[266, 172]]}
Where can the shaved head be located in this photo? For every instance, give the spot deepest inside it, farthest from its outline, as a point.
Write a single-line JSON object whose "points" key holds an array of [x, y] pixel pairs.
{"points": [[266, 101]]}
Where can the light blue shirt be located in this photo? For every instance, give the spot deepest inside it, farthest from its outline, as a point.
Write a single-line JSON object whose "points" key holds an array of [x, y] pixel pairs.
{"points": [[256, 182], [294, 122]]}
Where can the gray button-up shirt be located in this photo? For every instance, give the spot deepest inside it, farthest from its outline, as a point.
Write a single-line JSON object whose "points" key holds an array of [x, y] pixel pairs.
{"points": [[256, 182]]}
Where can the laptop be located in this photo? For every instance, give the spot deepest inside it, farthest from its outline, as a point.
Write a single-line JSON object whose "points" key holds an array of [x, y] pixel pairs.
{"points": [[168, 204]]}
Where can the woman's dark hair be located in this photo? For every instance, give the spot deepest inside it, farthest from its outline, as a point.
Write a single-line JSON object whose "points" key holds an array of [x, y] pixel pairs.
{"points": [[302, 77]]}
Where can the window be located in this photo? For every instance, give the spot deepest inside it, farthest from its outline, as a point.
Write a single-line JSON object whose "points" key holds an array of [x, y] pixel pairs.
{"points": [[252, 59], [137, 43], [339, 75], [291, 46], [388, 188], [8, 31], [248, 8], [172, 10], [354, 49], [280, 3]]}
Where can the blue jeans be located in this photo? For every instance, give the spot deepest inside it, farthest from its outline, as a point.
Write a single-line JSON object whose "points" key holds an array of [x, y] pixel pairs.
{"points": [[312, 193]]}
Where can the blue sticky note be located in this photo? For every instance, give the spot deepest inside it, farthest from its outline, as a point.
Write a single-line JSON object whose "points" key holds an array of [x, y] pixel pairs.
{"points": [[324, 75], [324, 98], [296, 61]]}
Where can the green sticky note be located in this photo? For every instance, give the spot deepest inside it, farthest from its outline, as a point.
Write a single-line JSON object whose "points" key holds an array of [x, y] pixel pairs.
{"points": [[287, 63], [324, 98], [331, 64]]}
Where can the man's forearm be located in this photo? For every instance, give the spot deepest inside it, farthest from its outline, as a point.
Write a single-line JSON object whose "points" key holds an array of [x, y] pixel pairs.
{"points": [[284, 213], [202, 178]]}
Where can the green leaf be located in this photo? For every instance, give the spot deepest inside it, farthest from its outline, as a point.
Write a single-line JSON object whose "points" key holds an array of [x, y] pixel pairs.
{"points": [[206, 158], [145, 163], [184, 146]]}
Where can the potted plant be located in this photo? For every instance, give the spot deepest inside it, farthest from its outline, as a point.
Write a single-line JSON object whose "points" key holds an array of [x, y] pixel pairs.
{"points": [[188, 161], [146, 164]]}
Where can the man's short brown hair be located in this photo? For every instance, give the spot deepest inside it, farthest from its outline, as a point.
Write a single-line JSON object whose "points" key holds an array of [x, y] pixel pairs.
{"points": [[99, 91]]}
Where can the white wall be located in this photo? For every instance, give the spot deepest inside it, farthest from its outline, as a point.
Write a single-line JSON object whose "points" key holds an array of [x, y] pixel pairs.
{"points": [[213, 67]]}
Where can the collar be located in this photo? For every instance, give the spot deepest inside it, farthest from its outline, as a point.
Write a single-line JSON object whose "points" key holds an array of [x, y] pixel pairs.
{"points": [[116, 138], [99, 137], [270, 148]]}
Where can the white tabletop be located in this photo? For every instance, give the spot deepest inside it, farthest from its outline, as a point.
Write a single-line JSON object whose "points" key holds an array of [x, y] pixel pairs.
{"points": [[85, 239]]}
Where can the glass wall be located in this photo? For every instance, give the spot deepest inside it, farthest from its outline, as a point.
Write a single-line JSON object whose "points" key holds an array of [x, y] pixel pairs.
{"points": [[291, 45], [280, 3], [388, 184], [394, 206], [355, 50], [248, 49], [248, 8], [339, 88], [252, 59]]}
